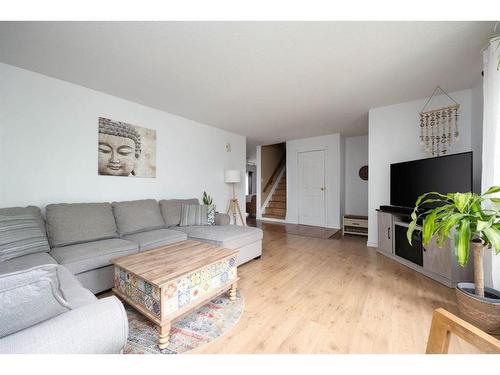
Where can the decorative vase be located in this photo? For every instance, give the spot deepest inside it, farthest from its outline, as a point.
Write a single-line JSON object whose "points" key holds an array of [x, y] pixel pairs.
{"points": [[211, 214]]}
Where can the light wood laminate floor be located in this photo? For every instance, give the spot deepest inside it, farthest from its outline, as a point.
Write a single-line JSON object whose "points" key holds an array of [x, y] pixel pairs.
{"points": [[310, 295], [298, 229]]}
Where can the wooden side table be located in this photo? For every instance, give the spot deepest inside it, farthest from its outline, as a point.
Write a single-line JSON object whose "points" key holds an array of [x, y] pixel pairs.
{"points": [[355, 224]]}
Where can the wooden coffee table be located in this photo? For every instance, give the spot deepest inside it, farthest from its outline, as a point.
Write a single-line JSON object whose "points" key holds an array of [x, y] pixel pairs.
{"points": [[166, 283]]}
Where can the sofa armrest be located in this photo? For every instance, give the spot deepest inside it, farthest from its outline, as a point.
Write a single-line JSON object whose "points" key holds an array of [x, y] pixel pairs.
{"points": [[222, 219], [99, 327]]}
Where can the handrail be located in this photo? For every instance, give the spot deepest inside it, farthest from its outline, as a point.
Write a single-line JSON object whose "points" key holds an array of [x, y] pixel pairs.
{"points": [[276, 171], [444, 323]]}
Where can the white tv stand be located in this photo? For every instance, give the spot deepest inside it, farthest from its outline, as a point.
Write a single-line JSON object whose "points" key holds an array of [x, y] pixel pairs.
{"points": [[439, 264]]}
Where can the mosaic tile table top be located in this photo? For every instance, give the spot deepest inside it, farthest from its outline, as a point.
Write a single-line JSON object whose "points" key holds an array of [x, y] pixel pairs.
{"points": [[169, 282], [205, 324]]}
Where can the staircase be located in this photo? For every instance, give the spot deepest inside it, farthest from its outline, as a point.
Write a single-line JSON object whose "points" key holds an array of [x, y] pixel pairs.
{"points": [[276, 207]]}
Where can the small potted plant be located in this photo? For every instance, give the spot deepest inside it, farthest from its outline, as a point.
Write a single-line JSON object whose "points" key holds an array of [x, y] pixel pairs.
{"points": [[207, 199], [475, 221]]}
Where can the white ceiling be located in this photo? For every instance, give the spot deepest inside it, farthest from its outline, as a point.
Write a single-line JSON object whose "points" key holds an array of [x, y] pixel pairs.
{"points": [[270, 81]]}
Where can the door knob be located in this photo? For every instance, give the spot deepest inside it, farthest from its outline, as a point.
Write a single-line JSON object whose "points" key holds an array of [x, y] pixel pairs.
{"points": [[322, 189]]}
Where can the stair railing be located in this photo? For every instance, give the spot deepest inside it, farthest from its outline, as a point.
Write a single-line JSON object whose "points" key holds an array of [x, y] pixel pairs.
{"points": [[274, 186], [275, 173]]}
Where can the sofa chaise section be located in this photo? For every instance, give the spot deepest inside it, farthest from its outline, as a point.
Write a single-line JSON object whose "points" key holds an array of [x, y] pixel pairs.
{"points": [[85, 324], [84, 238], [141, 222], [246, 239], [99, 327]]}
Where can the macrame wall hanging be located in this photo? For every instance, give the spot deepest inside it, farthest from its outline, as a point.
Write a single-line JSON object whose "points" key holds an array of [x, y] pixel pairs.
{"points": [[439, 127]]}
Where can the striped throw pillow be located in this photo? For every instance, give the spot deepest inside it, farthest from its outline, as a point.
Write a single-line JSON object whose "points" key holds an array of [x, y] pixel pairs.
{"points": [[20, 235], [193, 214]]}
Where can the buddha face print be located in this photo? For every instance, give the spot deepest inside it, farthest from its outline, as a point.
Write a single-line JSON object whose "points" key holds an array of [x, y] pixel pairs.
{"points": [[126, 150]]}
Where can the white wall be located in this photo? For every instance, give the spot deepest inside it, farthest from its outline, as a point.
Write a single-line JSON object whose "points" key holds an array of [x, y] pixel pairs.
{"points": [[477, 134], [258, 211], [491, 148], [253, 168], [48, 147], [342, 178], [332, 144], [394, 137], [356, 189]]}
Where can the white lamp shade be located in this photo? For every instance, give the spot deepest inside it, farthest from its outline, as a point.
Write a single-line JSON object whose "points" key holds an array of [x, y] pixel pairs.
{"points": [[232, 176]]}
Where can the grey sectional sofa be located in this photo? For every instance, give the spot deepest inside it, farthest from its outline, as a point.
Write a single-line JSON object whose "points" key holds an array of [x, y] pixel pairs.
{"points": [[83, 239]]}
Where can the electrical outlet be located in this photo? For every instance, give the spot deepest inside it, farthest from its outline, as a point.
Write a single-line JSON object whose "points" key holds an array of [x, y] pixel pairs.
{"points": [[228, 147]]}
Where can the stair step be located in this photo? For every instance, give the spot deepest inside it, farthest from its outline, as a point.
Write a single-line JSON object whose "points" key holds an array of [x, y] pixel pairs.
{"points": [[281, 217], [275, 204], [276, 211], [278, 198], [280, 191]]}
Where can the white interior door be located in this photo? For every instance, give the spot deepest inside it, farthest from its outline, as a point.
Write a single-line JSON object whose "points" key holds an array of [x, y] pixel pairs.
{"points": [[311, 176]]}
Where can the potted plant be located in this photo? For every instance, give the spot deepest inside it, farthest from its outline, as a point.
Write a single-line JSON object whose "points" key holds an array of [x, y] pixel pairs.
{"points": [[207, 199], [475, 221]]}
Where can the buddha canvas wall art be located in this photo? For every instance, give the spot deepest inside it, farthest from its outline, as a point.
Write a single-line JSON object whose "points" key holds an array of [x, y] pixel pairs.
{"points": [[126, 150]]}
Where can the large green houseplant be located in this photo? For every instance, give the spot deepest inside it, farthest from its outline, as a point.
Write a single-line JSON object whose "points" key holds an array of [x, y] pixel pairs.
{"points": [[473, 221]]}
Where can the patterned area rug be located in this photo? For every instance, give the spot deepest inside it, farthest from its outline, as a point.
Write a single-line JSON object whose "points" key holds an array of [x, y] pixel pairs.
{"points": [[203, 325]]}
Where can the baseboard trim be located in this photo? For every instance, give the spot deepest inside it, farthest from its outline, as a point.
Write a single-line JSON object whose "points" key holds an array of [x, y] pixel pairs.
{"points": [[270, 219], [371, 244]]}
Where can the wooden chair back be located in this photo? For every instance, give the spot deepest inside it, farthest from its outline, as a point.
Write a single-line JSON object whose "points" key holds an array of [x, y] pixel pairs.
{"points": [[445, 323]]}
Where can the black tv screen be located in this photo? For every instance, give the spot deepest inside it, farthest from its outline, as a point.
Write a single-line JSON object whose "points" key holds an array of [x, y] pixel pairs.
{"points": [[444, 174]]}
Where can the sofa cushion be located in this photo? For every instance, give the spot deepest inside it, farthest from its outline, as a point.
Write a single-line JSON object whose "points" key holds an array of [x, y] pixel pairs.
{"points": [[137, 216], [156, 238], [91, 255], [29, 297], [25, 262], [21, 235], [29, 210], [229, 236], [69, 224], [171, 210]]}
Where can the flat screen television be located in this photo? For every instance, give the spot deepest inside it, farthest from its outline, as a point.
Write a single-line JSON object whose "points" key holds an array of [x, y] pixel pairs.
{"points": [[444, 174]]}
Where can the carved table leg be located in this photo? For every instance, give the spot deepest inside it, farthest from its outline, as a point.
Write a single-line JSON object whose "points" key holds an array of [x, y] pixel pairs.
{"points": [[163, 335], [232, 291]]}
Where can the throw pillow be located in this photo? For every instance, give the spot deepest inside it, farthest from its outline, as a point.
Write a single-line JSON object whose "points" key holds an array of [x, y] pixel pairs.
{"points": [[21, 235], [211, 214], [29, 297], [193, 214]]}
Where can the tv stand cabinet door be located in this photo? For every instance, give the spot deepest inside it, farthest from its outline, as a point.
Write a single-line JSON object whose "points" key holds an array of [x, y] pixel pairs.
{"points": [[385, 232], [438, 260]]}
